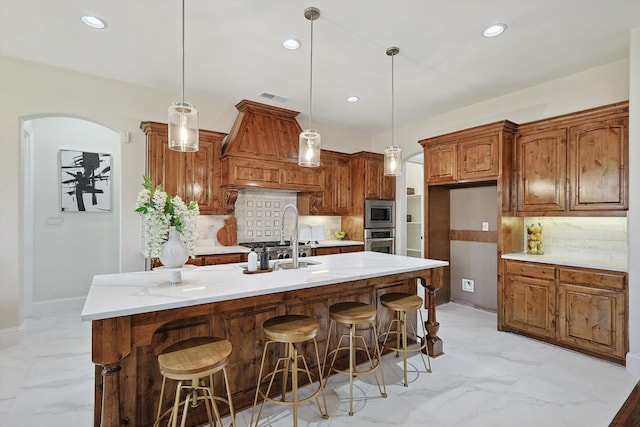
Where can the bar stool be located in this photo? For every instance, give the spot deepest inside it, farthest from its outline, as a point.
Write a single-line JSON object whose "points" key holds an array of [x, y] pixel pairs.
{"points": [[351, 314], [401, 303], [191, 361], [289, 330]]}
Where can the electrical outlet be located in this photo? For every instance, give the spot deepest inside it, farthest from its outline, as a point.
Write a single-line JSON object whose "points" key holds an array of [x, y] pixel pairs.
{"points": [[485, 226], [467, 285]]}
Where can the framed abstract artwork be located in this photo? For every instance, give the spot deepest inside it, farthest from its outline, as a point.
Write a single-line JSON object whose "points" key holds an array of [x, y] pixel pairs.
{"points": [[85, 181]]}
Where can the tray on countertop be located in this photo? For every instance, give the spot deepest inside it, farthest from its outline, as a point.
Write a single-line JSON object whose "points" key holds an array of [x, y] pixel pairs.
{"points": [[246, 271]]}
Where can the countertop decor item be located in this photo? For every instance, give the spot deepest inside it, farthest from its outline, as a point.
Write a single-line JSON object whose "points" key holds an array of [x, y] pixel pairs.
{"points": [[161, 211], [534, 239], [340, 234], [228, 234]]}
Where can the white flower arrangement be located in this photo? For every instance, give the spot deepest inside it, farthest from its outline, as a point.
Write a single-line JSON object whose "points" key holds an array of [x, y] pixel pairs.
{"points": [[162, 211]]}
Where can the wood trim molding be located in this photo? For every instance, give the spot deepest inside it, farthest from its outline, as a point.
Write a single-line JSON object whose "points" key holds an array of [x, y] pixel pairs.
{"points": [[474, 236]]}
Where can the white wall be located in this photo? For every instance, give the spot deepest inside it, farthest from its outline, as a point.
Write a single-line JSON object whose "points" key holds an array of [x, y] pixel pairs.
{"points": [[72, 248]]}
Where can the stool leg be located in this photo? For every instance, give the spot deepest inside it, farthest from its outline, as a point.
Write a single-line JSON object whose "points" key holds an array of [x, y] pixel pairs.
{"points": [[232, 413], [255, 401], [164, 380], [383, 390], [403, 323], [210, 402], [324, 414], [352, 355], [293, 353]]}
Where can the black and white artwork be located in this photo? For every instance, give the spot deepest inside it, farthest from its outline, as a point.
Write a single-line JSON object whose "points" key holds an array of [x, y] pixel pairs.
{"points": [[85, 181]]}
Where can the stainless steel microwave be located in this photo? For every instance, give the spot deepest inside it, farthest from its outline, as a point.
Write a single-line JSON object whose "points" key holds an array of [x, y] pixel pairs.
{"points": [[379, 214]]}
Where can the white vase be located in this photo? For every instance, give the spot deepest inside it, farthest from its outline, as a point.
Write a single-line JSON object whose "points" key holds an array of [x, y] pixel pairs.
{"points": [[174, 253]]}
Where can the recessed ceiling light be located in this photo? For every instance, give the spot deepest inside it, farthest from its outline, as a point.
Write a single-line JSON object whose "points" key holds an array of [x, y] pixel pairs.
{"points": [[494, 30], [352, 99], [291, 44], [94, 22]]}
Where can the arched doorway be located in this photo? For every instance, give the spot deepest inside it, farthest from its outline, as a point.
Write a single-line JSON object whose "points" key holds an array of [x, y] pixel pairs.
{"points": [[65, 246]]}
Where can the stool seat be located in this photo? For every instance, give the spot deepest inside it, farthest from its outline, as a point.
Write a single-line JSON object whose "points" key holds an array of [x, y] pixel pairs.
{"points": [[352, 312], [194, 356], [291, 328], [401, 301]]}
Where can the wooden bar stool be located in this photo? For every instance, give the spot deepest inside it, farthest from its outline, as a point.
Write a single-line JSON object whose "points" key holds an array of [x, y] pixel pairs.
{"points": [[289, 330], [402, 303], [192, 361], [351, 314]]}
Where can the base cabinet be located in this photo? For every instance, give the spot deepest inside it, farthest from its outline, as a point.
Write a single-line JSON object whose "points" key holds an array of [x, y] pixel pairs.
{"points": [[592, 311], [580, 308], [530, 304]]}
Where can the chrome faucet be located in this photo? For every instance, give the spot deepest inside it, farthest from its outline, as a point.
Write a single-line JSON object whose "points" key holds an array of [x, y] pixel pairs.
{"points": [[294, 238]]}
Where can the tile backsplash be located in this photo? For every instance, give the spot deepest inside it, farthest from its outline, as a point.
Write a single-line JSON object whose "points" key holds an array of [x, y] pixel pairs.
{"points": [[259, 216], [584, 237]]}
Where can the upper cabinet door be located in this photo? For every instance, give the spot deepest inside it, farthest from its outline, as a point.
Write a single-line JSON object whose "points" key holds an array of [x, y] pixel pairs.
{"points": [[441, 163], [542, 171], [598, 165], [478, 158]]}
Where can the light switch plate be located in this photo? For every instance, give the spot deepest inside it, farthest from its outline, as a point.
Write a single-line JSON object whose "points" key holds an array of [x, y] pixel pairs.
{"points": [[485, 226]]}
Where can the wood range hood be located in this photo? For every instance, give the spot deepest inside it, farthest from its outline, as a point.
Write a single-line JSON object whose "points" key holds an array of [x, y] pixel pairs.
{"points": [[261, 151]]}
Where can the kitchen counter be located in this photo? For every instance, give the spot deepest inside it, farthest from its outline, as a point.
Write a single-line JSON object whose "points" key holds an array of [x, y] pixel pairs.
{"points": [[134, 316], [602, 264], [113, 295]]}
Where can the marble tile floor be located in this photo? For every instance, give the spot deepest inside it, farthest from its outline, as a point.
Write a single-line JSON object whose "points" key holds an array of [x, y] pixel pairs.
{"points": [[485, 379]]}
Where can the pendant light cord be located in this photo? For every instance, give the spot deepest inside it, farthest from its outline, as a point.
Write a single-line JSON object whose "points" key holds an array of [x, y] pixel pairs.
{"points": [[393, 109], [183, 51], [311, 76]]}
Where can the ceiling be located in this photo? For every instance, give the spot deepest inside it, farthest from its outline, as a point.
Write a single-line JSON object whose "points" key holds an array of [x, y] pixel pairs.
{"points": [[233, 49]]}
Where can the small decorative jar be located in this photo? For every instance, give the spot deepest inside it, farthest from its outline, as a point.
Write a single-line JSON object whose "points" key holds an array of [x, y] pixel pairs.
{"points": [[534, 239]]}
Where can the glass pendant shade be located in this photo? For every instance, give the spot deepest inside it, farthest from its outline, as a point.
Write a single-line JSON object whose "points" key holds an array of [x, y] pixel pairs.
{"points": [[183, 127], [392, 161], [309, 148]]}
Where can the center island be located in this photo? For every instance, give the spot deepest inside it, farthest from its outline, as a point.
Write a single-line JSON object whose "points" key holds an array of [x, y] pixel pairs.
{"points": [[136, 315]]}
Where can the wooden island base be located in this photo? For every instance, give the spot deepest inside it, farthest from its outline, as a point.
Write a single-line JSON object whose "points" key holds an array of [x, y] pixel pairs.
{"points": [[125, 348]]}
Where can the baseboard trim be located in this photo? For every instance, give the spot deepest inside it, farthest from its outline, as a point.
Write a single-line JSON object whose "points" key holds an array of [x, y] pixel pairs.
{"points": [[10, 336], [633, 363], [46, 308]]}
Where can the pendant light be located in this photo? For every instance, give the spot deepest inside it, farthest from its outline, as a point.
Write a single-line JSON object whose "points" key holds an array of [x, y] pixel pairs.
{"points": [[183, 117], [309, 140], [393, 153]]}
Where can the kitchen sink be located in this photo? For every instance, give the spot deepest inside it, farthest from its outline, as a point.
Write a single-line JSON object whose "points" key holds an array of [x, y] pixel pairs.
{"points": [[288, 265]]}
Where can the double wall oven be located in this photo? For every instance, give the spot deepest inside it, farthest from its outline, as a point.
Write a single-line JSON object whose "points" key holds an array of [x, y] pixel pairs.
{"points": [[379, 226]]}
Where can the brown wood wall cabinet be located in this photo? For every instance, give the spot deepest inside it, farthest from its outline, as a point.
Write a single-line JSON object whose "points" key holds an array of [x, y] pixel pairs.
{"points": [[575, 164], [482, 155], [260, 152], [580, 308], [192, 176]]}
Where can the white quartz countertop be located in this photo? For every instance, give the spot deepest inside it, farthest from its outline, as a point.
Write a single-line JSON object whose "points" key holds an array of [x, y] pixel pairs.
{"points": [[603, 264], [113, 295]]}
